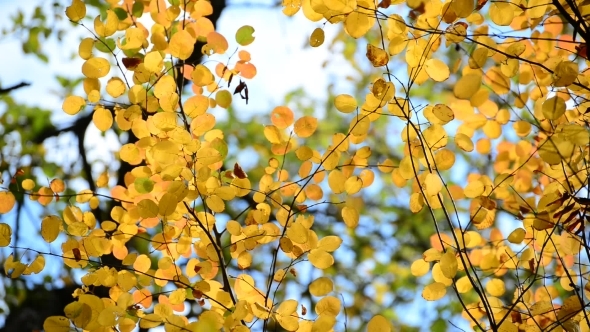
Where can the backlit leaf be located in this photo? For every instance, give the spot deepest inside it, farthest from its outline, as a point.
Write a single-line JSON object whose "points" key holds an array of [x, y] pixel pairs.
{"points": [[7, 201], [377, 56], [321, 286], [379, 324], [96, 67], [317, 37], [5, 234], [434, 291], [76, 11], [467, 86], [320, 259], [102, 118], [72, 105], [181, 45], [56, 324], [437, 70], [553, 108], [282, 117], [244, 35], [345, 103], [217, 42], [50, 227]]}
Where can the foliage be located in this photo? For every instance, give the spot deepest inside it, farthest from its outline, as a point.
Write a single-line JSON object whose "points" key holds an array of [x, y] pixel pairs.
{"points": [[486, 103]]}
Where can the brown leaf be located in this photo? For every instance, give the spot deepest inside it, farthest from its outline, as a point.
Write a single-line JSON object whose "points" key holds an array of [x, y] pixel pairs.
{"points": [[242, 88], [377, 56], [77, 255], [480, 4], [384, 4], [239, 172], [131, 63]]}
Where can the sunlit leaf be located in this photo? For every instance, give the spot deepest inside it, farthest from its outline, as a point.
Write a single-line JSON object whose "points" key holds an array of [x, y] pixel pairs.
{"points": [[7, 201], [76, 11], [96, 67], [434, 291], [377, 56], [244, 35], [317, 37]]}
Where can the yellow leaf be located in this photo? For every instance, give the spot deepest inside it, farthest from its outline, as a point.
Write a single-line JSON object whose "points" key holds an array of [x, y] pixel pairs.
{"points": [[317, 37], [360, 21], [272, 134], [309, 13], [102, 118], [134, 39], [289, 323], [377, 56], [433, 184], [323, 323], [107, 317], [85, 48], [516, 236], [73, 104], [419, 268], [443, 112], [320, 259], [437, 70], [330, 243], [464, 285], [287, 307], [149, 321], [467, 86], [27, 184], [291, 7], [5, 234], [464, 142], [474, 189], [321, 286], [153, 62], [329, 305], [537, 8], [336, 181], [76, 11], [462, 8], [110, 25], [496, 287], [553, 108], [202, 124], [142, 263], [305, 126], [448, 264], [353, 185], [182, 45], [115, 87], [50, 227], [379, 324], [56, 324], [297, 233], [345, 103], [147, 208], [201, 75], [350, 216], [501, 13], [7, 201], [196, 105], [96, 67], [434, 291], [167, 204]]}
